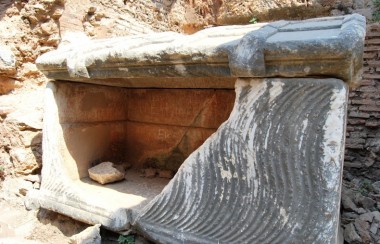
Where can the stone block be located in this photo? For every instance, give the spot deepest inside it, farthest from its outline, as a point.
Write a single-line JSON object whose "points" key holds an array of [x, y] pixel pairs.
{"points": [[362, 228], [106, 172], [7, 84], [291, 50], [91, 235], [350, 234]]}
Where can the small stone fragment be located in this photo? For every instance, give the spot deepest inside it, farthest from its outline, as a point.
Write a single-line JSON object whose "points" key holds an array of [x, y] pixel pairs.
{"points": [[30, 70], [350, 234], [7, 84], [376, 216], [347, 203], [36, 185], [90, 235], [4, 110], [362, 228], [168, 174], [360, 210], [105, 173], [376, 187], [57, 13], [367, 217], [150, 172], [375, 197], [349, 215], [91, 10], [33, 178], [24, 187], [7, 61], [374, 228], [367, 202]]}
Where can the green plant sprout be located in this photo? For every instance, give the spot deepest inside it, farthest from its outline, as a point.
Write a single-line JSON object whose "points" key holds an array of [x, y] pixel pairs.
{"points": [[376, 12], [129, 239], [254, 20]]}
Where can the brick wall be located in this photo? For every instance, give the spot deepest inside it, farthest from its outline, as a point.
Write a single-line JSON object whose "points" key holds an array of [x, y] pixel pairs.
{"points": [[362, 155]]}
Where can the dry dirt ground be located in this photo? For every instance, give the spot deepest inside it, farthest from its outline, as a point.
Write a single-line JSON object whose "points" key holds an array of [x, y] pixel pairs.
{"points": [[19, 226]]}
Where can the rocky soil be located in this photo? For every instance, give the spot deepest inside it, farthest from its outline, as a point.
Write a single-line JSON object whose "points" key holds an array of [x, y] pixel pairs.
{"points": [[17, 225], [360, 210], [29, 28]]}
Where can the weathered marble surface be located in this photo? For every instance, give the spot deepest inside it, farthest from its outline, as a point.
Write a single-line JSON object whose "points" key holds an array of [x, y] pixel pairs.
{"points": [[270, 173], [318, 47]]}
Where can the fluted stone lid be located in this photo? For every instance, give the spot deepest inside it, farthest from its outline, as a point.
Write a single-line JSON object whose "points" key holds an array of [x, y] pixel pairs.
{"points": [[331, 46]]}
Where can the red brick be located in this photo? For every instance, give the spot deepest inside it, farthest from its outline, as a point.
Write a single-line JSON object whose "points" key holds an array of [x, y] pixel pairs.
{"points": [[372, 48], [354, 146], [355, 141], [366, 69], [367, 82], [370, 108], [358, 115], [369, 55], [356, 121], [364, 108], [363, 101], [358, 134], [371, 76], [373, 63], [373, 41], [367, 89], [355, 164], [349, 158], [352, 94], [373, 27], [375, 95], [373, 34], [372, 124]]}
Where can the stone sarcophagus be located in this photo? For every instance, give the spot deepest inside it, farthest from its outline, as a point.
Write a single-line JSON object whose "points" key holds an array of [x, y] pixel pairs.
{"points": [[250, 118]]}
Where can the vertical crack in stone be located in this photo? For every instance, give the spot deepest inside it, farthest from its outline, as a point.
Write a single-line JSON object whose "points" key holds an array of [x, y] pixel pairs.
{"points": [[195, 121]]}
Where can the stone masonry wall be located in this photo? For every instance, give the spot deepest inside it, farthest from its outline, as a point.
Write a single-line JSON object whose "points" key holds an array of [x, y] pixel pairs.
{"points": [[363, 128], [360, 215]]}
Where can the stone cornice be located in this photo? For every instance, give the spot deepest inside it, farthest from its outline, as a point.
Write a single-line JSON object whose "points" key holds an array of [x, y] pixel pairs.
{"points": [[329, 46]]}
